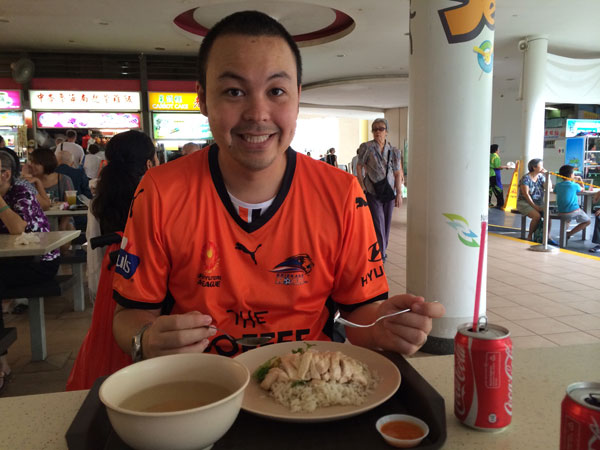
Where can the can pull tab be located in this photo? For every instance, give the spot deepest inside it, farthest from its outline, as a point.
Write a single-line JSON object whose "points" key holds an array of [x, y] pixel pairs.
{"points": [[593, 399], [482, 323]]}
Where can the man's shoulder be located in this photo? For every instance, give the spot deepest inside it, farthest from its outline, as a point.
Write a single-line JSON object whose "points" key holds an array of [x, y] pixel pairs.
{"points": [[182, 170]]}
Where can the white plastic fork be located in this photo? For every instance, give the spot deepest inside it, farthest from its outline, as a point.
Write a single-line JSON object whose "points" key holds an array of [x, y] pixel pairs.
{"points": [[338, 318]]}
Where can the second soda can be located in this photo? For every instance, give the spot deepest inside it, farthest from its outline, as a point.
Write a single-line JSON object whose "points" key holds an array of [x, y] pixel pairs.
{"points": [[483, 377]]}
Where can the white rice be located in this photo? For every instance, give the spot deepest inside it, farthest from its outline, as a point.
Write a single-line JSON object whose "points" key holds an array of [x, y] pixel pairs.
{"points": [[310, 396]]}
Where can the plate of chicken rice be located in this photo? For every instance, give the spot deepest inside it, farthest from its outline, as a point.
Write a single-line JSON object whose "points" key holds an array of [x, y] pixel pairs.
{"points": [[316, 381]]}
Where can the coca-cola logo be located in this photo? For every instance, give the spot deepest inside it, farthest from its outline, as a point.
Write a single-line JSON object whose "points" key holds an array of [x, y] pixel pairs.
{"points": [[595, 435], [508, 372], [459, 380]]}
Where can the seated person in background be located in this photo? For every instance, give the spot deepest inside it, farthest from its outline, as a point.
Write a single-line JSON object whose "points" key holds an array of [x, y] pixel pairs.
{"points": [[19, 212], [531, 194], [189, 148], [566, 198], [596, 235], [130, 154], [77, 175], [19, 181], [217, 239], [42, 174], [92, 161], [72, 147]]}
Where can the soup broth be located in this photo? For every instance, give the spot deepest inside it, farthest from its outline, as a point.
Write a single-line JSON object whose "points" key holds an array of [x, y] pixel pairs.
{"points": [[175, 396]]}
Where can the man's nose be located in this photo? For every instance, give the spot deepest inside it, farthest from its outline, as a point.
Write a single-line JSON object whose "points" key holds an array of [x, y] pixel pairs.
{"points": [[257, 108]]}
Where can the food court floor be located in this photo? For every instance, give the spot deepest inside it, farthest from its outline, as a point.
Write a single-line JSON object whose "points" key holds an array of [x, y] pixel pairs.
{"points": [[544, 300]]}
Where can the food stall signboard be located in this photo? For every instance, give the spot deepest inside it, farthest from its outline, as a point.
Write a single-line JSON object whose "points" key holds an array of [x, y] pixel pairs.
{"points": [[173, 101], [181, 126], [10, 99], [85, 100], [576, 126], [88, 120], [11, 119]]}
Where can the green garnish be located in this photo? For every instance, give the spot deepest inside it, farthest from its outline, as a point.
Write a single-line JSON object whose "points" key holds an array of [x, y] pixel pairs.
{"points": [[302, 350], [299, 383], [264, 368]]}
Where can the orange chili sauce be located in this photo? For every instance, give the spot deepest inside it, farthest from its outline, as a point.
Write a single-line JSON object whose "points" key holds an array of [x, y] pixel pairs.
{"points": [[401, 429]]}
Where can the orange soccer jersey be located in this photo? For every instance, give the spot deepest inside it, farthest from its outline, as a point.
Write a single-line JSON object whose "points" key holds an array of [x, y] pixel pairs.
{"points": [[283, 275]]}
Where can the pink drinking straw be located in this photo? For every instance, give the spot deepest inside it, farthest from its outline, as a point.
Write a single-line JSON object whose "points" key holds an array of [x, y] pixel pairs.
{"points": [[479, 273]]}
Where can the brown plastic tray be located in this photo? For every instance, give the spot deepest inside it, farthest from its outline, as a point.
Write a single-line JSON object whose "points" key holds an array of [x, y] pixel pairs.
{"points": [[91, 429]]}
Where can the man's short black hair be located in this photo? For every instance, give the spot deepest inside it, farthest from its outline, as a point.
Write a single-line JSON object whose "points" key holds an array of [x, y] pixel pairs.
{"points": [[566, 171], [245, 23], [493, 148]]}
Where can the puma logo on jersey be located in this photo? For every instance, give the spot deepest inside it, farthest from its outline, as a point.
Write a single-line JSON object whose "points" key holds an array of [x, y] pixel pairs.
{"points": [[133, 200], [241, 247], [465, 21], [360, 202]]}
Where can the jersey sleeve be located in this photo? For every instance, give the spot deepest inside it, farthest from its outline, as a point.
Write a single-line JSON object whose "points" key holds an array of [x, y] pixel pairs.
{"points": [[143, 265], [359, 277]]}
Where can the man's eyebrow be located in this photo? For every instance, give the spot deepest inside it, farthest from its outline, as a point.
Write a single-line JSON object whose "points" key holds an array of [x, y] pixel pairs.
{"points": [[228, 74]]}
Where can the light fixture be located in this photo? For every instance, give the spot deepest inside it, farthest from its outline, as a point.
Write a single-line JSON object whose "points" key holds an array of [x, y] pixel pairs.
{"points": [[552, 108]]}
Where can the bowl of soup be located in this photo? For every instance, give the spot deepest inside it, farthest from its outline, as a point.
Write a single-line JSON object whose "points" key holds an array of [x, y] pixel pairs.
{"points": [[402, 430], [175, 402]]}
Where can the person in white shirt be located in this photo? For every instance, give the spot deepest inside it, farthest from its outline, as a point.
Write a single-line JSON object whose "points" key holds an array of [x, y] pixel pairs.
{"points": [[70, 146], [91, 165]]}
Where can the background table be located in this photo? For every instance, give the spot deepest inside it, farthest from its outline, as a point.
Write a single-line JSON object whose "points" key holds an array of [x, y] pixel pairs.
{"points": [[54, 215], [48, 241]]}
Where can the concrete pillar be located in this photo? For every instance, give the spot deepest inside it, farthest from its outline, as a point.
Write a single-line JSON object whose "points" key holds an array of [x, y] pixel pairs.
{"points": [[533, 80], [449, 134]]}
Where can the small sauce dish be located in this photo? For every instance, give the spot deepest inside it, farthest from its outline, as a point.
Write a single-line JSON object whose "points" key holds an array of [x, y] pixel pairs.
{"points": [[401, 430]]}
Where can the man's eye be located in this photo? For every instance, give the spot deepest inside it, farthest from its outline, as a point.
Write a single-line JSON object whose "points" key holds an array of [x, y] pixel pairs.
{"points": [[234, 92], [277, 92]]}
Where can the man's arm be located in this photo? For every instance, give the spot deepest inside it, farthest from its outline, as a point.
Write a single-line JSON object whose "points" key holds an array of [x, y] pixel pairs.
{"points": [[405, 333], [178, 333]]}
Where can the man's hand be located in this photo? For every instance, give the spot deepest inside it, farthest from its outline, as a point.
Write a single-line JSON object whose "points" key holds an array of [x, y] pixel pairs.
{"points": [[407, 332], [398, 200], [177, 333]]}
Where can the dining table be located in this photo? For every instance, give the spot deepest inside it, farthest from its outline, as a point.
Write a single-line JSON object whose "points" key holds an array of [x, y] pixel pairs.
{"points": [[540, 379], [55, 213], [48, 241]]}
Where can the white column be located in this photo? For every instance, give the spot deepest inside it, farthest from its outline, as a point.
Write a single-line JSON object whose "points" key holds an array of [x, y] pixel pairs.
{"points": [[533, 80], [448, 174]]}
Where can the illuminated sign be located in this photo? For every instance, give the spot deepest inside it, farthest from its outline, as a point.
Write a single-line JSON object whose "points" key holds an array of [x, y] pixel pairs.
{"points": [[173, 101], [10, 99], [85, 100], [181, 126], [585, 126], [88, 120], [11, 119]]}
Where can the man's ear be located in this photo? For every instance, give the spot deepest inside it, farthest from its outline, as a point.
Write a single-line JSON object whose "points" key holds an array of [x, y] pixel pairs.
{"points": [[201, 98]]}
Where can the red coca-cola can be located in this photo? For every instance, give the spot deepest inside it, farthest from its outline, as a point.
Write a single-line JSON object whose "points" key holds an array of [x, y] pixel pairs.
{"points": [[483, 377], [580, 417]]}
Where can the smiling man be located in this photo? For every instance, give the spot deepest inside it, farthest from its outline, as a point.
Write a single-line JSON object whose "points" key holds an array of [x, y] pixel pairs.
{"points": [[248, 237]]}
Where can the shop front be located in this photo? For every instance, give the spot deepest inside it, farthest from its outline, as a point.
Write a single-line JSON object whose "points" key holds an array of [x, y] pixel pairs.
{"points": [[177, 120], [104, 113], [13, 127]]}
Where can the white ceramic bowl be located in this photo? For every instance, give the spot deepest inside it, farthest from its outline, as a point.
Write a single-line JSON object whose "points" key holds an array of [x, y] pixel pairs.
{"points": [[196, 428], [402, 443]]}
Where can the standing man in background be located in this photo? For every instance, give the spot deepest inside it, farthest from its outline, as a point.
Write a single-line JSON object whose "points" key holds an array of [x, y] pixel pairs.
{"points": [[70, 146], [378, 158], [496, 177]]}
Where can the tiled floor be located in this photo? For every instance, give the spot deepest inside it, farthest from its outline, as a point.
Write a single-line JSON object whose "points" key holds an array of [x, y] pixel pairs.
{"points": [[544, 300]]}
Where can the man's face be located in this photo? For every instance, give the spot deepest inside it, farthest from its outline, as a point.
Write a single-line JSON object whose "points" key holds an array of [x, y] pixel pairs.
{"points": [[251, 99]]}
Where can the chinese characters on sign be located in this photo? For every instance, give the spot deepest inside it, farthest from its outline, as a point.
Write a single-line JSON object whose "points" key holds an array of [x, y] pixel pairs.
{"points": [[85, 100], [173, 101]]}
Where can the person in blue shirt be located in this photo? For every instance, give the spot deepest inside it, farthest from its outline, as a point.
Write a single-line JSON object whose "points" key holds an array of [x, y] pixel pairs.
{"points": [[566, 198]]}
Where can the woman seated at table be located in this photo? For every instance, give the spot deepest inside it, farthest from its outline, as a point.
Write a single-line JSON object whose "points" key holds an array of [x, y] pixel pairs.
{"points": [[19, 212], [531, 194], [41, 172], [129, 155]]}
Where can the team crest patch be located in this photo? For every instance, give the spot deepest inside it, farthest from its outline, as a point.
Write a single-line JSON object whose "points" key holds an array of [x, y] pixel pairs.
{"points": [[292, 271], [209, 264]]}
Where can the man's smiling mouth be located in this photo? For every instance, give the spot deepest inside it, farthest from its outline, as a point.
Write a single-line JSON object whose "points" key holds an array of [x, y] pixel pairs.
{"points": [[252, 139]]}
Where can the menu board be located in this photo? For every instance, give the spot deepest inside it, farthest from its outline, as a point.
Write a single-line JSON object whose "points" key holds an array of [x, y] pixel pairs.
{"points": [[181, 126], [11, 118], [576, 126], [10, 99], [88, 120]]}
